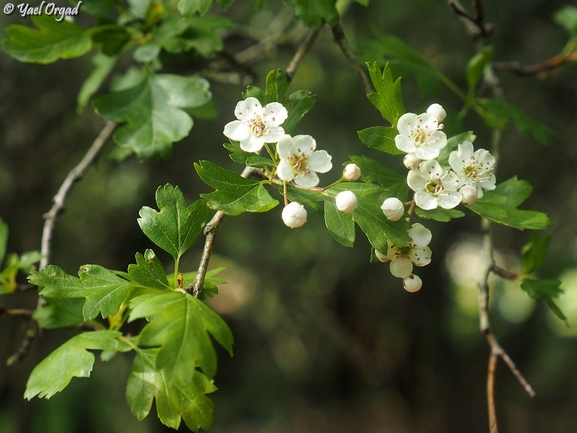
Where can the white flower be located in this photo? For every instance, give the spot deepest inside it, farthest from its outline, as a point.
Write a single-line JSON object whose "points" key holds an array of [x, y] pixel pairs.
{"points": [[346, 201], [420, 135], [468, 194], [411, 161], [403, 258], [434, 186], [438, 111], [256, 125], [474, 168], [294, 215], [299, 160], [393, 208], [412, 283], [352, 172]]}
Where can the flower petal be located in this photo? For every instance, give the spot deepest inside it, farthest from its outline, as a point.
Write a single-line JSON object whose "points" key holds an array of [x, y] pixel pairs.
{"points": [[274, 114], [285, 146], [320, 161], [405, 144], [420, 235], [305, 144], [449, 199], [236, 130], [425, 200], [285, 171], [275, 133], [252, 143], [426, 152], [247, 109], [406, 123], [416, 180], [310, 180], [421, 256]]}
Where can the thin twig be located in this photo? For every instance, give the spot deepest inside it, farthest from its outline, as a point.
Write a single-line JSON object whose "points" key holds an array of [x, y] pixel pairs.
{"points": [[480, 28], [19, 312], [341, 40], [212, 226], [547, 65], [491, 393], [50, 221]]}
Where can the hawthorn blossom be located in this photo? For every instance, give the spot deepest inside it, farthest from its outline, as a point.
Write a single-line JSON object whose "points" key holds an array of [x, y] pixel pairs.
{"points": [[352, 172], [256, 125], [474, 168], [420, 135], [393, 208], [434, 186], [346, 201], [294, 215], [403, 258], [299, 161], [438, 111]]}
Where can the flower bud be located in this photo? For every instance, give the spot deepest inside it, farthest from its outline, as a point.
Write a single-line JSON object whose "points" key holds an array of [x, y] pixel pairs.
{"points": [[401, 267], [438, 111], [352, 172], [468, 194], [294, 215], [346, 201], [393, 208], [412, 283], [411, 161]]}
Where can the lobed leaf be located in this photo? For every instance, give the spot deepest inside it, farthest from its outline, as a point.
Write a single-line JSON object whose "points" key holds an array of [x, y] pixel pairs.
{"points": [[148, 271], [439, 214], [103, 290], [103, 65], [534, 253], [387, 97], [500, 206], [50, 41], [340, 225], [475, 67], [546, 290], [313, 13], [234, 194], [299, 104], [179, 324], [72, 359], [60, 313], [380, 138], [373, 171]]}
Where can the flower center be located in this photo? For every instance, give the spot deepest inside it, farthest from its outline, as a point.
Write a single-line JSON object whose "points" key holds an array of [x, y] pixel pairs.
{"points": [[300, 163], [434, 187], [257, 125], [476, 173], [420, 137]]}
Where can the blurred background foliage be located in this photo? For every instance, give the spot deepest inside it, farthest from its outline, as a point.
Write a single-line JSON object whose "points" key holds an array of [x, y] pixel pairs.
{"points": [[325, 341]]}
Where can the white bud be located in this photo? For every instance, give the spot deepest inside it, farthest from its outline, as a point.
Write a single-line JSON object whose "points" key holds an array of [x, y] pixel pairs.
{"points": [[412, 283], [411, 161], [393, 208], [382, 257], [468, 194], [352, 172], [294, 215], [401, 267], [346, 201], [438, 111]]}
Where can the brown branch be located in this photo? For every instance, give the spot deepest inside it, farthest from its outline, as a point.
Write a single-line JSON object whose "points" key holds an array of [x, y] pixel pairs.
{"points": [[547, 65], [341, 40], [19, 312], [491, 393], [475, 23], [300, 53], [50, 221]]}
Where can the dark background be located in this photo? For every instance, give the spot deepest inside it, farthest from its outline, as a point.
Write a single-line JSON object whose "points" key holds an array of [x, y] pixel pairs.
{"points": [[324, 340]]}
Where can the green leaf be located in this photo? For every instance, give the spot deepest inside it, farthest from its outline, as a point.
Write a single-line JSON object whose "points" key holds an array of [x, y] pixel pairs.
{"points": [[175, 227], [546, 290], [373, 171], [500, 206], [439, 214], [103, 64], [387, 98], [534, 252], [452, 144], [103, 290], [340, 225], [299, 104], [52, 40], [475, 68], [3, 239], [496, 114], [148, 271], [369, 216], [234, 194], [305, 196], [60, 313], [153, 112], [380, 138], [179, 324], [72, 359], [190, 7], [276, 86], [567, 18], [14, 264], [247, 158], [111, 38], [360, 189], [175, 398], [313, 13]]}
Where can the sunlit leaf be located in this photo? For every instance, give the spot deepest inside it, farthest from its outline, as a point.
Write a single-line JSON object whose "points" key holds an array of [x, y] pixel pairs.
{"points": [[148, 271], [313, 13], [387, 97], [546, 290]]}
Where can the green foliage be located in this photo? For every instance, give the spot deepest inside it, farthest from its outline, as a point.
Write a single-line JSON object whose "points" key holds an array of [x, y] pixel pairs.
{"points": [[179, 324], [102, 289], [148, 271], [72, 359], [340, 225], [387, 97], [546, 290], [475, 67], [234, 194], [313, 13], [103, 65], [247, 158], [60, 313], [175, 227], [439, 214], [500, 206], [50, 41], [373, 171], [534, 253]]}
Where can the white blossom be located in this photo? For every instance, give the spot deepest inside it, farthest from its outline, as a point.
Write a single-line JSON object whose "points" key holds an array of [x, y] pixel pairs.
{"points": [[393, 208], [474, 168], [416, 253], [411, 161], [346, 201], [434, 186], [438, 111], [352, 172], [412, 283], [468, 194], [294, 215], [420, 135], [256, 125], [300, 161]]}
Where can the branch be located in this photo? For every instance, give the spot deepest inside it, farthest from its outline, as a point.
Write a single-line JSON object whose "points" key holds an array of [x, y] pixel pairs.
{"points": [[50, 221], [341, 41], [475, 23], [20, 312], [547, 65], [301, 52]]}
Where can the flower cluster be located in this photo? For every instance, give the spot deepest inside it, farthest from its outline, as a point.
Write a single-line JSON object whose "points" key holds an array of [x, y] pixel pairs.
{"points": [[471, 171], [297, 157]]}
